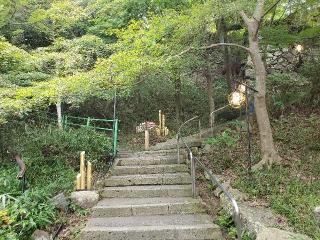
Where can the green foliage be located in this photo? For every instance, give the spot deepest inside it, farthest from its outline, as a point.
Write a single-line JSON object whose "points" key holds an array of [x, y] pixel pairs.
{"points": [[53, 155], [286, 90], [311, 70], [31, 211], [278, 36], [292, 188], [225, 221], [12, 58], [225, 139]]}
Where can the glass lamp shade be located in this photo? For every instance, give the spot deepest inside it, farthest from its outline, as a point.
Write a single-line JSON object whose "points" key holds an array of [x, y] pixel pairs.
{"points": [[299, 48], [242, 88], [236, 99]]}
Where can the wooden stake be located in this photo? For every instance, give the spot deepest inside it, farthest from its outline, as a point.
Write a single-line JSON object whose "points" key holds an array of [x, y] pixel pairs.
{"points": [[82, 170], [78, 181], [163, 125], [146, 139], [160, 121], [89, 175]]}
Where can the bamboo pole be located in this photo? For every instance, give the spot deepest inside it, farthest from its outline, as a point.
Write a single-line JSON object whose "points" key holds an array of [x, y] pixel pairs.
{"points": [[82, 170], [146, 139], [163, 125], [89, 176], [160, 120], [78, 182]]}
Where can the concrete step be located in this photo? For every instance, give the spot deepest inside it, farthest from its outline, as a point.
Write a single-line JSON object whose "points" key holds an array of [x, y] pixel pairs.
{"points": [[149, 160], [147, 191], [165, 227], [149, 169], [172, 152], [148, 179], [121, 207]]}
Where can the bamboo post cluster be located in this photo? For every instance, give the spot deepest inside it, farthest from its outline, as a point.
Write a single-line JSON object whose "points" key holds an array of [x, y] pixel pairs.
{"points": [[146, 139], [84, 178], [162, 130]]}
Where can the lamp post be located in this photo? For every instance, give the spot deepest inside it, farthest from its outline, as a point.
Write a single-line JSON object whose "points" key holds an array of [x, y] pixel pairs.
{"points": [[236, 100]]}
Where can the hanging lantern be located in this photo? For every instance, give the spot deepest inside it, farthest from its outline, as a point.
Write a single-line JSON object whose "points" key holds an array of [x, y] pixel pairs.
{"points": [[236, 99], [242, 88], [299, 48]]}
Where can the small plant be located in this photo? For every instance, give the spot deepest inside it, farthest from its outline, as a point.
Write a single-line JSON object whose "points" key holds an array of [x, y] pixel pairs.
{"points": [[224, 139], [30, 211], [225, 221], [79, 211]]}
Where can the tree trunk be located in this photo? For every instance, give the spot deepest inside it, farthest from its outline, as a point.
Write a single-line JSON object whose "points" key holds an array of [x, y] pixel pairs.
{"points": [[223, 38], [268, 150], [59, 114], [209, 79], [178, 102]]}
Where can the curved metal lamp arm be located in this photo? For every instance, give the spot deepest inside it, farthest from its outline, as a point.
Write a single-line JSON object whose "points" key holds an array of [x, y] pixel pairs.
{"points": [[189, 120]]}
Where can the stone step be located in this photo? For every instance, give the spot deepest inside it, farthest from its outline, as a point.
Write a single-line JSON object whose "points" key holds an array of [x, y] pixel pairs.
{"points": [[159, 227], [172, 144], [149, 160], [121, 207], [147, 191], [149, 169], [172, 152], [148, 179]]}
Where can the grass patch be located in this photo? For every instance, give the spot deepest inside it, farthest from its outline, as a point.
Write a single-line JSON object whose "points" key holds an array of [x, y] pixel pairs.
{"points": [[292, 188]]}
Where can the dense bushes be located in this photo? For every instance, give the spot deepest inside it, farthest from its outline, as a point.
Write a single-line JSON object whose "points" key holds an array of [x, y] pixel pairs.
{"points": [[30, 211], [52, 159]]}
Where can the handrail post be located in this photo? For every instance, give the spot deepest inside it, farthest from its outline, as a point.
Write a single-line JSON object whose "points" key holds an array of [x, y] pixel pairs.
{"points": [[178, 147], [88, 121], [236, 217], [115, 137], [66, 121], [193, 174], [200, 136]]}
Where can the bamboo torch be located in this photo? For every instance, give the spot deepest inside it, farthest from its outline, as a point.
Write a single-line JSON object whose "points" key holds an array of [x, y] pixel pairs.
{"points": [[78, 181], [160, 121], [89, 175], [146, 139], [82, 170], [163, 124]]}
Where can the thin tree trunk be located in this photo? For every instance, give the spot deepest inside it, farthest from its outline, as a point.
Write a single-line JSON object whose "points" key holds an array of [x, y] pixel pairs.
{"points": [[209, 79], [223, 38], [268, 150], [59, 114], [178, 103]]}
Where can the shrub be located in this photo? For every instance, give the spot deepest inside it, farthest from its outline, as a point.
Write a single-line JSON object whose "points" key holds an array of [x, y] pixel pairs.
{"points": [[29, 212], [225, 139], [52, 158]]}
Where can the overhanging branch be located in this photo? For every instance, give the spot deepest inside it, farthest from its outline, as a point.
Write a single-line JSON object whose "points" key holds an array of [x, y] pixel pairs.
{"points": [[207, 47]]}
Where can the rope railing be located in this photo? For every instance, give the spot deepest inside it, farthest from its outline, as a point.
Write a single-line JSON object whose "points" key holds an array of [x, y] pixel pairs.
{"points": [[194, 162]]}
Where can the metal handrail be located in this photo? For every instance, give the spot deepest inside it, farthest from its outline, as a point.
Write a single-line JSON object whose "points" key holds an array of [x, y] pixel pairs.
{"points": [[89, 120], [193, 161], [179, 134]]}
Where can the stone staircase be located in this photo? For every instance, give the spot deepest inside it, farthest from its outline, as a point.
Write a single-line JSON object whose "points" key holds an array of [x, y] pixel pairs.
{"points": [[149, 197]]}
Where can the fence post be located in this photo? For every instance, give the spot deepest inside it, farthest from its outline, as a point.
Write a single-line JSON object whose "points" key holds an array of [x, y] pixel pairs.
{"points": [[146, 139], [66, 121], [193, 174], [115, 136], [178, 147], [88, 121]]}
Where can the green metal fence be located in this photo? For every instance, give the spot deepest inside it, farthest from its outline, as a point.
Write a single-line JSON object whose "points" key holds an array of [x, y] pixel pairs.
{"points": [[108, 125]]}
